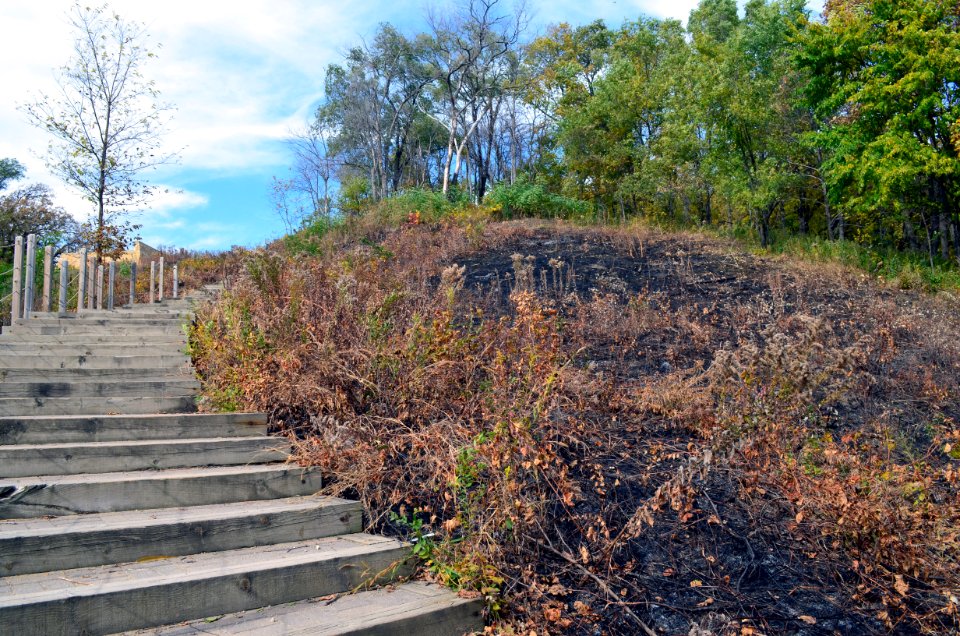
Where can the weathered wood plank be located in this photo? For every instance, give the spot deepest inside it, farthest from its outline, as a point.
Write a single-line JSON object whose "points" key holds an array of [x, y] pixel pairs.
{"points": [[26, 460], [41, 545], [97, 405], [110, 428], [412, 608], [111, 492], [110, 599]]}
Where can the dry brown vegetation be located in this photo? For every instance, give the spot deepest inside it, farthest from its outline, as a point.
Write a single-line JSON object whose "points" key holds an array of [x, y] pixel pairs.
{"points": [[616, 430]]}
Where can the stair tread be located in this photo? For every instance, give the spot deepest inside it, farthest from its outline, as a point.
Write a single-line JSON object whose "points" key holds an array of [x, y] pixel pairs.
{"points": [[143, 487], [106, 579], [86, 382], [347, 613], [279, 441], [257, 418], [107, 521], [143, 475]]}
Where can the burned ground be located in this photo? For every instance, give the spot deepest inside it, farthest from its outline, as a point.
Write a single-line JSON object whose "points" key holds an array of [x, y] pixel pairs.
{"points": [[751, 569], [615, 431]]}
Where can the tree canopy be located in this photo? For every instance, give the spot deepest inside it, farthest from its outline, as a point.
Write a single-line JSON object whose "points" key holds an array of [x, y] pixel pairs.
{"points": [[844, 127]]}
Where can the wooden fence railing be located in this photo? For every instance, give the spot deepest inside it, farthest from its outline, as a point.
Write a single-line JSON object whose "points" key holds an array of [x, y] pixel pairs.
{"points": [[88, 287]]}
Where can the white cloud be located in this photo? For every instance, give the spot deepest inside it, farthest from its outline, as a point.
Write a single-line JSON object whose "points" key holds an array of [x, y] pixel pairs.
{"points": [[207, 243], [168, 198]]}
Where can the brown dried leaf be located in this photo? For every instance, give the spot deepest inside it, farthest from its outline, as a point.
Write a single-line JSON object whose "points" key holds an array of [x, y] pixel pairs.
{"points": [[901, 586]]}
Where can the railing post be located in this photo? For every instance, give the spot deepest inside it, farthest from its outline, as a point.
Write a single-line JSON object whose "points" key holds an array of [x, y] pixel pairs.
{"points": [[176, 282], [160, 294], [47, 277], [99, 286], [30, 282], [153, 281], [15, 306], [91, 283], [111, 281], [64, 285], [82, 285], [133, 284]]}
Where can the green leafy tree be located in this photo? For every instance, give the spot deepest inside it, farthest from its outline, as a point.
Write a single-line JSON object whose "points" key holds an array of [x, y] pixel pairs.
{"points": [[748, 104], [884, 76], [372, 103], [106, 120]]}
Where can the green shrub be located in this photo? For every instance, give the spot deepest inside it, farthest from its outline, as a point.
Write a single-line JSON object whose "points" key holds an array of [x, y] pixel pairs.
{"points": [[308, 240], [525, 199]]}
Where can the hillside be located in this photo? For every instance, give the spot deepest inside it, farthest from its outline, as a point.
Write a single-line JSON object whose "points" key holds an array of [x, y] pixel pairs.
{"points": [[616, 430]]}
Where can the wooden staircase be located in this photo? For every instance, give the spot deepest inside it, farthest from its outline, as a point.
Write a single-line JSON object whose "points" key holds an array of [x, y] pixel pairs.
{"points": [[121, 509]]}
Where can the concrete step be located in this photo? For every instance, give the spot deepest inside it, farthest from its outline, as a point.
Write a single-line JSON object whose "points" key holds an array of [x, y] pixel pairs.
{"points": [[56, 495], [171, 403], [94, 362], [25, 460], [183, 372], [107, 599], [41, 545], [415, 608], [111, 428], [116, 387]]}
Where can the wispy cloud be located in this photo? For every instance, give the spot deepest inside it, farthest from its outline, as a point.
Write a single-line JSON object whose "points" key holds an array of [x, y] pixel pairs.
{"points": [[168, 198]]}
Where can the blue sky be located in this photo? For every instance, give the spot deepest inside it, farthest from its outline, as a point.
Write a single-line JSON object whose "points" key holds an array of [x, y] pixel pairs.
{"points": [[242, 75]]}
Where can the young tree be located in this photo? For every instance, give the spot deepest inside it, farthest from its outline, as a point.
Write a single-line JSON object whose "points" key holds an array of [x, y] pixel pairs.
{"points": [[106, 120]]}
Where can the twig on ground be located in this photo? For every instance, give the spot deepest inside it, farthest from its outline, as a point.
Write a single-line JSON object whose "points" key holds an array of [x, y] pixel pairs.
{"points": [[603, 585]]}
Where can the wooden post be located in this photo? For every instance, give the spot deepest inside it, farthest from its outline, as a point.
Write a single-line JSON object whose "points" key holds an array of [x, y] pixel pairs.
{"points": [[82, 285], [160, 294], [176, 282], [99, 286], [15, 306], [153, 281], [91, 283], [64, 284], [111, 281], [30, 282], [47, 277], [133, 284]]}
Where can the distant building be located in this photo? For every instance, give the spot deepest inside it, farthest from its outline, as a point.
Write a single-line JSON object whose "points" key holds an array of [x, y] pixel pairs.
{"points": [[141, 254]]}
